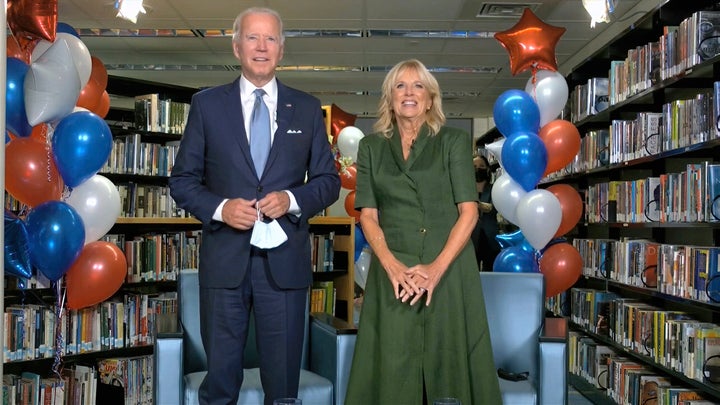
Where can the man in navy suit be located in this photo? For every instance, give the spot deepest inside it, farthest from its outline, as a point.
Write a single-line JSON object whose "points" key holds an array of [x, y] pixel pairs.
{"points": [[215, 179]]}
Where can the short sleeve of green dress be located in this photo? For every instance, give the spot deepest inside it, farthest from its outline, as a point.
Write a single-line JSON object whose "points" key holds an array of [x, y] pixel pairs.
{"points": [[444, 346]]}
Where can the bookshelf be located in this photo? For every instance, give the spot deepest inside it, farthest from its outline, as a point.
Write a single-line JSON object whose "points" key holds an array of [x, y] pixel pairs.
{"points": [[649, 236], [342, 274]]}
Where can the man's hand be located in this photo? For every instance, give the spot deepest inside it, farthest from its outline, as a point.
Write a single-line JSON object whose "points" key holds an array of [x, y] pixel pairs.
{"points": [[240, 213], [274, 205]]}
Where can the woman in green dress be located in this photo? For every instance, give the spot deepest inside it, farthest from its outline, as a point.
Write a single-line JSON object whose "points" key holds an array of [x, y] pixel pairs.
{"points": [[423, 330]]}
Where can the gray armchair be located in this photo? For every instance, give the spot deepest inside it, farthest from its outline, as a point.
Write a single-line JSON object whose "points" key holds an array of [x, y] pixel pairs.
{"points": [[180, 363], [524, 340]]}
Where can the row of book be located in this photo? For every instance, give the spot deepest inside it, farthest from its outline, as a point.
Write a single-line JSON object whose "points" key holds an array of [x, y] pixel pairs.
{"points": [[685, 271], [680, 124], [625, 380], [113, 379], [691, 195], [158, 256], [672, 339], [129, 155], [160, 115], [327, 249], [130, 378], [322, 297], [589, 98], [75, 385], [679, 48], [148, 201], [31, 330]]}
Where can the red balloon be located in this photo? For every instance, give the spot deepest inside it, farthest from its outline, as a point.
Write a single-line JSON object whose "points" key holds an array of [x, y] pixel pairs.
{"points": [[30, 172], [98, 73], [96, 274], [339, 119], [562, 142], [90, 96], [571, 206], [103, 106], [40, 132], [348, 177], [33, 18], [562, 265], [19, 48], [531, 43], [350, 206]]}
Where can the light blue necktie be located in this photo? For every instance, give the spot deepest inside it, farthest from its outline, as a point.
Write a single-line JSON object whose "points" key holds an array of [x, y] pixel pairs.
{"points": [[259, 132]]}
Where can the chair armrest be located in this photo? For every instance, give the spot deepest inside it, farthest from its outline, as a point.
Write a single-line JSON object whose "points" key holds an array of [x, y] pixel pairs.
{"points": [[168, 363], [332, 344], [553, 364]]}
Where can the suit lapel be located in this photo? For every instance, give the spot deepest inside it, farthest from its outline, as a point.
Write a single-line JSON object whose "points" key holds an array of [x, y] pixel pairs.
{"points": [[285, 111], [233, 109], [418, 146]]}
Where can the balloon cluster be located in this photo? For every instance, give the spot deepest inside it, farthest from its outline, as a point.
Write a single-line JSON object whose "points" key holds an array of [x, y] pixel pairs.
{"points": [[56, 143], [345, 141], [534, 144]]}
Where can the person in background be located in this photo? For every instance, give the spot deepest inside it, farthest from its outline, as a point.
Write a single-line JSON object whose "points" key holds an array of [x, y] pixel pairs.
{"points": [[220, 178], [483, 236], [423, 330]]}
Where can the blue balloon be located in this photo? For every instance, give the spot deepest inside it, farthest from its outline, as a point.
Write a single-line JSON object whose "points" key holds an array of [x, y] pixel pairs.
{"points": [[15, 115], [66, 28], [57, 236], [506, 240], [516, 260], [524, 157], [81, 145], [17, 250], [516, 111], [360, 242]]}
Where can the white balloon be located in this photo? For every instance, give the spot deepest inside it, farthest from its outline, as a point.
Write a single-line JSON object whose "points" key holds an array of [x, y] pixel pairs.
{"points": [[496, 149], [97, 201], [550, 92], [79, 52], [348, 141], [362, 265], [539, 214], [52, 85], [506, 193]]}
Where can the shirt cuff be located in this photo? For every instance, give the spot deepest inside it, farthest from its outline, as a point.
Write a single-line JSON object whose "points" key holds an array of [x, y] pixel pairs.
{"points": [[218, 211], [294, 208]]}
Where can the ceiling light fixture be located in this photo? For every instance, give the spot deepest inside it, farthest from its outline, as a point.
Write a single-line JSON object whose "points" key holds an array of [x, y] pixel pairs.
{"points": [[129, 9], [599, 10]]}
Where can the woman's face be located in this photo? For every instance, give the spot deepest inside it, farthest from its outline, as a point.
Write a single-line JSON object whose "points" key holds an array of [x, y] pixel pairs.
{"points": [[410, 97]]}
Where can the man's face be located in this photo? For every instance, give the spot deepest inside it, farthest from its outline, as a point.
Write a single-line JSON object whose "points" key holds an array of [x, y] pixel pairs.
{"points": [[259, 47]]}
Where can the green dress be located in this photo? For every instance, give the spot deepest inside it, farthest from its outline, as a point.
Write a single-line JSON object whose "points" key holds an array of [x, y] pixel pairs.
{"points": [[445, 346]]}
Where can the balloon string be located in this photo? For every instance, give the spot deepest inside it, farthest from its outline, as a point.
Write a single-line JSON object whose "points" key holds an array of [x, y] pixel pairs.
{"points": [[59, 305], [45, 136]]}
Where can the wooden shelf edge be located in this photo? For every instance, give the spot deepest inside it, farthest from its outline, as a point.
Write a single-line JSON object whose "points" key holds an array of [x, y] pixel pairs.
{"points": [[150, 220]]}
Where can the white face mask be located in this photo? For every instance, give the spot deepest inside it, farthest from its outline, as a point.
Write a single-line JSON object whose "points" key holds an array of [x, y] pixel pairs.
{"points": [[267, 235]]}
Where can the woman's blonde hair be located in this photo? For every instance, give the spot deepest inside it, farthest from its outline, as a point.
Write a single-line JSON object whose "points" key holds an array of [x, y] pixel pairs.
{"points": [[386, 115]]}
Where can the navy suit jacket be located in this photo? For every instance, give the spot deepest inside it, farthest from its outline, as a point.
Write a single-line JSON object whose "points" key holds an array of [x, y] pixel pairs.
{"points": [[214, 163]]}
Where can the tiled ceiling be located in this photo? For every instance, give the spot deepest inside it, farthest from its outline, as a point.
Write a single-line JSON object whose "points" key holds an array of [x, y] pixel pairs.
{"points": [[360, 36]]}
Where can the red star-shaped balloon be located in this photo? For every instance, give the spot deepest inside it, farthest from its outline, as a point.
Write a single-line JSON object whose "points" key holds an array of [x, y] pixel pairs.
{"points": [[33, 18], [531, 43]]}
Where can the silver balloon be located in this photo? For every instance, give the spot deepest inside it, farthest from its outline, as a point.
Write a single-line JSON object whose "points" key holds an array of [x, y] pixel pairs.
{"points": [[97, 201], [506, 193], [539, 214], [52, 85], [550, 92]]}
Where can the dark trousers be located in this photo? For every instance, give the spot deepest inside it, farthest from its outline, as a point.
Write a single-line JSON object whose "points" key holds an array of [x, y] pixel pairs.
{"points": [[279, 328]]}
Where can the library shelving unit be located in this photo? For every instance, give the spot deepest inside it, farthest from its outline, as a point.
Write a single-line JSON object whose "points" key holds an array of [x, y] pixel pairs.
{"points": [[649, 228], [342, 274]]}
